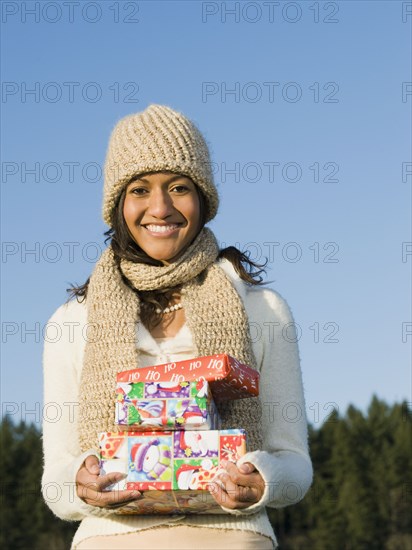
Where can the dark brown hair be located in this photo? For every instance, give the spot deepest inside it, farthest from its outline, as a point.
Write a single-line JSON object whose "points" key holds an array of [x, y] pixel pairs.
{"points": [[124, 247]]}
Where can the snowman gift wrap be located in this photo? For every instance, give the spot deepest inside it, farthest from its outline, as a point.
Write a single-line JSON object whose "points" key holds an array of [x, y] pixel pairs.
{"points": [[151, 460]]}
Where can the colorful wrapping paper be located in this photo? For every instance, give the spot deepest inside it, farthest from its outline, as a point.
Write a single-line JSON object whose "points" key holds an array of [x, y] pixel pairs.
{"points": [[146, 406], [172, 469]]}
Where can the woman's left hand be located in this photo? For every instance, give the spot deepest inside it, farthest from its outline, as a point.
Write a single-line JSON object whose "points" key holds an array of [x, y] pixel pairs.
{"points": [[237, 487]]}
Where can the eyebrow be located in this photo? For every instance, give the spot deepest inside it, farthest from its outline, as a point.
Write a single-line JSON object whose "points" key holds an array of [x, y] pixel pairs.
{"points": [[170, 180]]}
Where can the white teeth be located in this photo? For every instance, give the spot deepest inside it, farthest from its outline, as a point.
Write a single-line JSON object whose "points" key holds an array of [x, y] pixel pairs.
{"points": [[161, 228]]}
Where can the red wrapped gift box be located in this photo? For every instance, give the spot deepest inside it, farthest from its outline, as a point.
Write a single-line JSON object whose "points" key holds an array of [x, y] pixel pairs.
{"points": [[228, 377]]}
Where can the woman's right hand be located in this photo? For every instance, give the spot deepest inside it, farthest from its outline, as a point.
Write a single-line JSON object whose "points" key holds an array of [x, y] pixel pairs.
{"points": [[90, 486]]}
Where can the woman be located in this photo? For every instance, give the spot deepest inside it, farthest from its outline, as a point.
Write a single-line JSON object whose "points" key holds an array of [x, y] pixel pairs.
{"points": [[162, 291]]}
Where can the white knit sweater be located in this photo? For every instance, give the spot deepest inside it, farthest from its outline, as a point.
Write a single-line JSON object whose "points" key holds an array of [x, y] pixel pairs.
{"points": [[283, 462]]}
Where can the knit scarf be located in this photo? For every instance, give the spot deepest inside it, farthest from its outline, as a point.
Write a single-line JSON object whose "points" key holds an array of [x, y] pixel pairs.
{"points": [[214, 312]]}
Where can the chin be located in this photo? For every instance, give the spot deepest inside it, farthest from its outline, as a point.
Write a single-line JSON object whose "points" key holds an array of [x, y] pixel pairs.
{"points": [[165, 258]]}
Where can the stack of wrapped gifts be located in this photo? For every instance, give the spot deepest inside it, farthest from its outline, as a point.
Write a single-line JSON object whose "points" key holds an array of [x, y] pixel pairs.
{"points": [[169, 443]]}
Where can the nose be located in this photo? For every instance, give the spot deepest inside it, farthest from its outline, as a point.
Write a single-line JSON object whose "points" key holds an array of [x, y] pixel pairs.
{"points": [[160, 204]]}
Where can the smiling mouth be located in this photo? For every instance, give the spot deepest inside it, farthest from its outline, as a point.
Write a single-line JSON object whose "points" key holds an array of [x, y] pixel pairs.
{"points": [[162, 229]]}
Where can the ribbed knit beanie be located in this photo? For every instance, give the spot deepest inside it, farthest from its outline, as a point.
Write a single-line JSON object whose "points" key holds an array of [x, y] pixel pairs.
{"points": [[157, 139]]}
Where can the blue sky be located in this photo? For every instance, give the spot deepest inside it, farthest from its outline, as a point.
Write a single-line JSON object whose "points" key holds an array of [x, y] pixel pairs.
{"points": [[306, 106]]}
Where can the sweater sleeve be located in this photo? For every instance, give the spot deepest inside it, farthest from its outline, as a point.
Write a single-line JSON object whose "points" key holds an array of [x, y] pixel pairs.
{"points": [[62, 360], [284, 461]]}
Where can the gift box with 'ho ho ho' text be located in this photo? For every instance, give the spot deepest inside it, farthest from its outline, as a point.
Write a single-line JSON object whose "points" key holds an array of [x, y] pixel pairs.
{"points": [[228, 377]]}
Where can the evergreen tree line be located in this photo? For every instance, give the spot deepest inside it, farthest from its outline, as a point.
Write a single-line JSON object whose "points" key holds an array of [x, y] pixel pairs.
{"points": [[360, 498]]}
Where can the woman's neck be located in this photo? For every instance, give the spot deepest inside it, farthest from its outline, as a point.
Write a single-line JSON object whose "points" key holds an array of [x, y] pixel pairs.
{"points": [[169, 325]]}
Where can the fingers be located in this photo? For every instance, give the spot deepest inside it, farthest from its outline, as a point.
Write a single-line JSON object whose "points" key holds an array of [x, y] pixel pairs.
{"points": [[239, 477], [108, 499], [247, 468], [237, 492], [229, 499], [98, 482], [235, 488], [92, 465], [91, 487], [102, 482]]}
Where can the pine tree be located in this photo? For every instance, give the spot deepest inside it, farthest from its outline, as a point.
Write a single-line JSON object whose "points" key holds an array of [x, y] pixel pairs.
{"points": [[400, 474], [362, 489], [8, 483], [26, 522], [360, 498], [328, 523]]}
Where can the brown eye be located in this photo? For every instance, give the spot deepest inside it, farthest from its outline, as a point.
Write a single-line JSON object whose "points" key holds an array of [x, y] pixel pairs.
{"points": [[138, 191], [180, 188]]}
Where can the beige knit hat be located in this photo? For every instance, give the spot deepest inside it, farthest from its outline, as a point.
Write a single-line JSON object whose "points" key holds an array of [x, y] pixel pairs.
{"points": [[157, 139]]}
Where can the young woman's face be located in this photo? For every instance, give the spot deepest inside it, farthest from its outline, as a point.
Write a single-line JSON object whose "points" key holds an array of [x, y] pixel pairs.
{"points": [[162, 213]]}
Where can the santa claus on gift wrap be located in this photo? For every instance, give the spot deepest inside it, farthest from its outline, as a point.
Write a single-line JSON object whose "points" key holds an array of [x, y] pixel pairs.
{"points": [[198, 443], [194, 477], [153, 459]]}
